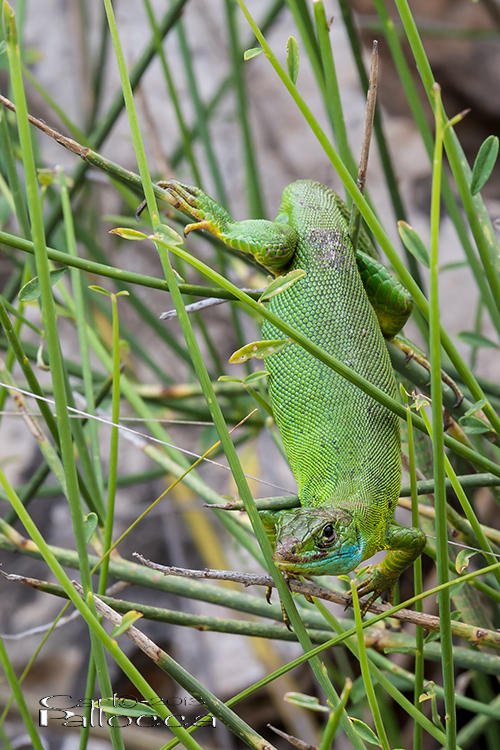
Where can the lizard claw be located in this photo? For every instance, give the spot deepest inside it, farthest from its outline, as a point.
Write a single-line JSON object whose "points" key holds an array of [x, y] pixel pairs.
{"points": [[286, 619], [375, 584], [269, 593]]}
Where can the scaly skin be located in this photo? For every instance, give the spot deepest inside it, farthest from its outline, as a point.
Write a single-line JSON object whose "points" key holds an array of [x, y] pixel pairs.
{"points": [[343, 446]]}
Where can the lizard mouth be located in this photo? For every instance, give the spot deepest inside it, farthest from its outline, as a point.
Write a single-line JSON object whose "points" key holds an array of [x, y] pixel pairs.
{"points": [[293, 563], [285, 557]]}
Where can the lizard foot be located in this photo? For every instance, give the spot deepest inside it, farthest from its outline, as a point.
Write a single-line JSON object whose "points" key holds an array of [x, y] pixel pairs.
{"points": [[196, 204], [375, 584]]}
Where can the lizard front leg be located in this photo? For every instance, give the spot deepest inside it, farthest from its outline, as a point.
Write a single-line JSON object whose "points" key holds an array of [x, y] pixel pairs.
{"points": [[272, 243]]}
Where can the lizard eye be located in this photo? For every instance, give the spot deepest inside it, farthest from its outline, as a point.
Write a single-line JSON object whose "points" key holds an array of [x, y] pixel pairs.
{"points": [[328, 531], [328, 534]]}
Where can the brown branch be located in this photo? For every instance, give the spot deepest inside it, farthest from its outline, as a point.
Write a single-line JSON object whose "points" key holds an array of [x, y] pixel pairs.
{"points": [[471, 633], [68, 143], [371, 100], [132, 180]]}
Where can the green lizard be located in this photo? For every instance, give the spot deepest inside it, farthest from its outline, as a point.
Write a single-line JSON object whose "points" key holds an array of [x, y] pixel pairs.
{"points": [[344, 447]]}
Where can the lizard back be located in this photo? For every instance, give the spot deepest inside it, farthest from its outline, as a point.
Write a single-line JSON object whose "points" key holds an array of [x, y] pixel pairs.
{"points": [[342, 445]]}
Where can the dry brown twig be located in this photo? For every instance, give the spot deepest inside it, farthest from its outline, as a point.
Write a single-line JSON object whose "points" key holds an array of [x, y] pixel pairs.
{"points": [[430, 622]]}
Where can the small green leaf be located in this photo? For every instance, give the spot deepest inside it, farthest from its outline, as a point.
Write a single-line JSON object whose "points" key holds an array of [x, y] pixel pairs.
{"points": [[9, 23], [456, 615], [259, 350], [476, 339], [178, 276], [463, 559], [421, 402], [413, 243], [129, 234], [3, 46], [249, 53], [400, 650], [31, 290], [280, 283], [358, 690], [476, 429], [292, 58], [361, 571], [119, 707], [432, 637], [457, 587], [46, 176], [229, 379], [39, 359], [99, 290], [89, 526], [364, 731], [168, 235], [305, 701], [483, 166], [404, 394], [454, 266], [477, 406], [255, 376], [473, 425], [127, 621]]}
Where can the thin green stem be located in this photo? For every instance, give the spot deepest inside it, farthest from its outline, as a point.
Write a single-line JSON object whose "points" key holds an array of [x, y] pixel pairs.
{"points": [[438, 437], [365, 671], [201, 118], [80, 316], [119, 274], [18, 194], [418, 585], [332, 99], [113, 447], [354, 645], [19, 697], [254, 192], [383, 148], [334, 719], [32, 660]]}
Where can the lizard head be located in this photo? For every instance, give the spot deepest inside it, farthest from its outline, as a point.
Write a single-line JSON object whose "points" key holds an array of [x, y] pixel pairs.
{"points": [[317, 541]]}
